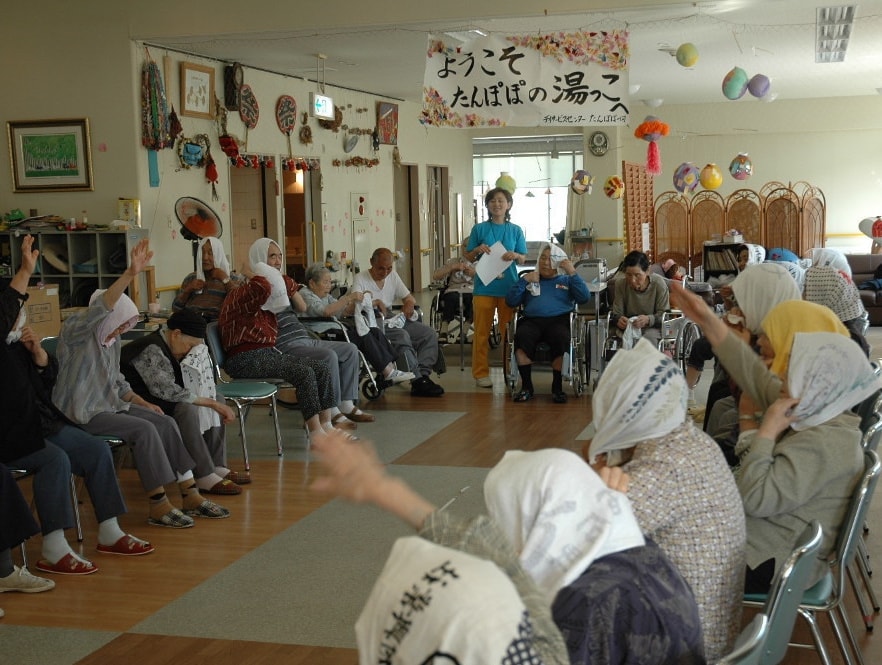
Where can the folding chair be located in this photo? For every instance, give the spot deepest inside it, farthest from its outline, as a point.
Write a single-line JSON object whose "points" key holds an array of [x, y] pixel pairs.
{"points": [[749, 646], [20, 474], [241, 393], [827, 595]]}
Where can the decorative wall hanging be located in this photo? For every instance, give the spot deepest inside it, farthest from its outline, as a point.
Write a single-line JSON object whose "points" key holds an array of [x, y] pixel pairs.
{"points": [[192, 151], [651, 130], [155, 118], [306, 135], [333, 125], [286, 117], [358, 205], [234, 77], [387, 123], [350, 142], [249, 110], [197, 90], [50, 155]]}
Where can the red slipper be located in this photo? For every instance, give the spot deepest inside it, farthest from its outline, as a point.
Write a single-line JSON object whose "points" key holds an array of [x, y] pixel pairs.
{"points": [[67, 565], [239, 477], [127, 546], [223, 487]]}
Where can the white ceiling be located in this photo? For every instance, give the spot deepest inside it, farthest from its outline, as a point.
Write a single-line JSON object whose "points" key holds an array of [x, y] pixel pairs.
{"points": [[772, 37]]}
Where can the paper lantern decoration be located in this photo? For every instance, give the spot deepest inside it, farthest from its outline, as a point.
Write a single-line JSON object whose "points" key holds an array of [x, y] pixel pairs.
{"points": [[759, 85], [614, 187], [651, 130], [687, 55], [735, 83], [711, 177], [686, 178], [741, 167], [506, 182], [582, 182]]}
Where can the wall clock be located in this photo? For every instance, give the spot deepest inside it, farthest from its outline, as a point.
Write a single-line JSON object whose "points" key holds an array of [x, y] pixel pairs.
{"points": [[598, 144]]}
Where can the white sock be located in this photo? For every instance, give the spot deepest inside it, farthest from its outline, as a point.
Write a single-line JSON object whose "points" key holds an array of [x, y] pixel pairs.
{"points": [[184, 476], [55, 546], [347, 406], [209, 481], [388, 370], [222, 471], [109, 531]]}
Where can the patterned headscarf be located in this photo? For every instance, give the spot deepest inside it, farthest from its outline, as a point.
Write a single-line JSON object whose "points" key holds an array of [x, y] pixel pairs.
{"points": [[758, 288], [829, 374], [827, 286], [797, 316], [220, 258], [124, 313], [433, 604], [641, 395], [827, 256], [558, 514]]}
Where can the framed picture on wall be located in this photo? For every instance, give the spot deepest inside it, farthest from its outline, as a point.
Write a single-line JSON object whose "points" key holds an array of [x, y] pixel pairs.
{"points": [[197, 90], [50, 155], [387, 123]]}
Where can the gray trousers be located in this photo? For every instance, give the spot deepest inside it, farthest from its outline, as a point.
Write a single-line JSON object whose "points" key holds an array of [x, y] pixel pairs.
{"points": [[155, 440], [341, 357], [207, 450], [418, 343]]}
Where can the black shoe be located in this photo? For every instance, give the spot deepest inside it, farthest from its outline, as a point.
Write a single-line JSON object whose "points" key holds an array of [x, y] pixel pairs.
{"points": [[559, 397], [523, 396], [425, 387]]}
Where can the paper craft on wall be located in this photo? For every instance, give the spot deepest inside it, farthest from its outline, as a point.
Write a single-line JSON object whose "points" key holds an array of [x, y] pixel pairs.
{"points": [[387, 123], [358, 205]]}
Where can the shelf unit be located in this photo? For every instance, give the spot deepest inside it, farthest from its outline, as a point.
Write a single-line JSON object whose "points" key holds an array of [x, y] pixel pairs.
{"points": [[81, 251], [724, 255]]}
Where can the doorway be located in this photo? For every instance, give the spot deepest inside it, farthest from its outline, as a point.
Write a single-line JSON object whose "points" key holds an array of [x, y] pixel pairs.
{"points": [[438, 209], [406, 196]]}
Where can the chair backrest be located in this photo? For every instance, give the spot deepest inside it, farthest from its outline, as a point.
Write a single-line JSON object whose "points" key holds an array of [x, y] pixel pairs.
{"points": [[215, 347], [50, 344], [749, 646], [785, 594], [853, 524]]}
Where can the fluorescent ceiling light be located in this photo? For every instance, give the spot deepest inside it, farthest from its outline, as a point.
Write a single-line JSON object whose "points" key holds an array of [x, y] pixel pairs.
{"points": [[833, 26]]}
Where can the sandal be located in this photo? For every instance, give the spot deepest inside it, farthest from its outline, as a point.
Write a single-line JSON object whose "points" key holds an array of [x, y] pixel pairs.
{"points": [[127, 546], [340, 421], [523, 396], [239, 477], [223, 487], [174, 519], [67, 565], [208, 509]]}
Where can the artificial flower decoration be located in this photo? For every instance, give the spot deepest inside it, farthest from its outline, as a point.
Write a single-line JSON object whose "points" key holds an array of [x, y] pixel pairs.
{"points": [[651, 130]]}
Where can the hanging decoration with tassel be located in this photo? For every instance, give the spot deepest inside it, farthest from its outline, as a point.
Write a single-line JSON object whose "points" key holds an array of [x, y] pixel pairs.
{"points": [[155, 134], [651, 130]]}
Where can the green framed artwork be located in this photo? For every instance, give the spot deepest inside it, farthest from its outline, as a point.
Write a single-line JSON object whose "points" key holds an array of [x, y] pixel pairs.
{"points": [[50, 155]]}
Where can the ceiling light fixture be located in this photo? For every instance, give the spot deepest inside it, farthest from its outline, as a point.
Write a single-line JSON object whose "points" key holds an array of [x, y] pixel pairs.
{"points": [[653, 103], [833, 26]]}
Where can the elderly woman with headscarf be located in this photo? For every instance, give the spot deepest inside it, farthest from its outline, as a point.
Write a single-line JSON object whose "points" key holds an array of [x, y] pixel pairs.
{"points": [[204, 290], [825, 285], [799, 446], [681, 489], [548, 296], [93, 393], [568, 543], [249, 331], [294, 339]]}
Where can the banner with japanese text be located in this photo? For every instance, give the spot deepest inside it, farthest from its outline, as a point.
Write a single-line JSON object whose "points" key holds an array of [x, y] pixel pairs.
{"points": [[562, 79]]}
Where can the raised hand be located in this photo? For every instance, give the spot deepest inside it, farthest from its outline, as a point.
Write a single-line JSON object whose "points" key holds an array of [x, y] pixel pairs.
{"points": [[140, 257], [29, 254]]}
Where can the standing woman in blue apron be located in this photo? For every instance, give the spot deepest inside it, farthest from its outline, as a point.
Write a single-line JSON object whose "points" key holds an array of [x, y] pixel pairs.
{"points": [[490, 298]]}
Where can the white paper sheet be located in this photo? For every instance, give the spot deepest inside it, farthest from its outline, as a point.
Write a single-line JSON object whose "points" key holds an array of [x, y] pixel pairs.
{"points": [[492, 264]]}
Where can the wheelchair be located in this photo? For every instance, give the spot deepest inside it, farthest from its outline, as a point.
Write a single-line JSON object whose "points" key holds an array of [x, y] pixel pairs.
{"points": [[332, 329], [459, 329], [572, 369]]}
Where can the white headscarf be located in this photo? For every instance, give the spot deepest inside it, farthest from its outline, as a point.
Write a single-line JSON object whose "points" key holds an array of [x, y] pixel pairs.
{"points": [[259, 251], [433, 604], [827, 256], [278, 299], [220, 258], [558, 514], [15, 334], [124, 313], [828, 373], [557, 254], [640, 396], [758, 288], [755, 253]]}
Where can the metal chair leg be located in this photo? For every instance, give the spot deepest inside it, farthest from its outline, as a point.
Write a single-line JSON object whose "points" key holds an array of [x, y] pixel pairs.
{"points": [[243, 413], [74, 495], [275, 414]]}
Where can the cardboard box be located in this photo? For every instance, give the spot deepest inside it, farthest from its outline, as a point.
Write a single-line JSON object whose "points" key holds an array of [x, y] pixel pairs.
{"points": [[44, 313]]}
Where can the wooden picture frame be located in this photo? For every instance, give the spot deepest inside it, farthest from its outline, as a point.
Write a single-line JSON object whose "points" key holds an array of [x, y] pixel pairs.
{"points": [[197, 91], [50, 155]]}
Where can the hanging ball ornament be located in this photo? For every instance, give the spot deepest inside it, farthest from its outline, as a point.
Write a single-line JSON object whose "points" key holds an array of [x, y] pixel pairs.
{"points": [[687, 55], [711, 177], [582, 182], [741, 167], [506, 182], [614, 187], [735, 83], [759, 85], [686, 178]]}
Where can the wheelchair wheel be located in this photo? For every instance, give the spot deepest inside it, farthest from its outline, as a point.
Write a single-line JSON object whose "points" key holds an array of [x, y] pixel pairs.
{"points": [[494, 335], [688, 335], [371, 389]]}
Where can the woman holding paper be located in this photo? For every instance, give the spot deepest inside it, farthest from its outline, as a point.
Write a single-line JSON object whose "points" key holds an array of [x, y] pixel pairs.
{"points": [[489, 297]]}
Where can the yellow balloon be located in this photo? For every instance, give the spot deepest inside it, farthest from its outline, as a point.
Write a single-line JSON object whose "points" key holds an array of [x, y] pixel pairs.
{"points": [[687, 55], [711, 177]]}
